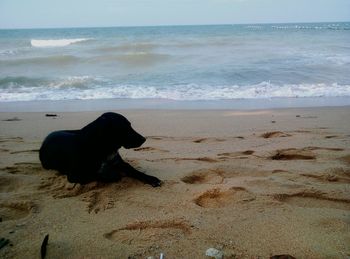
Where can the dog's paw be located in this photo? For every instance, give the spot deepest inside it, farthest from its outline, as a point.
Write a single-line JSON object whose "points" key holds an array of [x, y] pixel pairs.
{"points": [[154, 181]]}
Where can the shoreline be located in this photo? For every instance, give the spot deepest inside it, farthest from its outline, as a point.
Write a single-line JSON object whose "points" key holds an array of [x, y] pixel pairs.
{"points": [[167, 104]]}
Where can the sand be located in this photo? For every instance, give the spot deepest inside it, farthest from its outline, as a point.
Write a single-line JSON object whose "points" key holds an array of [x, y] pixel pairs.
{"points": [[251, 184]]}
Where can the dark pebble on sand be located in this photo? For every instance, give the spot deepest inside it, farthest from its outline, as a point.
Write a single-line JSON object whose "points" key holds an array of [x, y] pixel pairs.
{"points": [[50, 115]]}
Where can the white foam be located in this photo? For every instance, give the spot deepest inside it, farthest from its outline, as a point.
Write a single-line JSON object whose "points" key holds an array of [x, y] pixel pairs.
{"points": [[312, 27], [8, 52], [55, 43], [84, 88]]}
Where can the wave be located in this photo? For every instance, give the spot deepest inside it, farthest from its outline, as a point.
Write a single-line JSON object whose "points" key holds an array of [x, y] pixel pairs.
{"points": [[15, 51], [57, 60], [144, 47], [129, 47], [129, 59], [8, 52], [133, 59], [142, 58], [313, 27], [55, 43], [86, 87], [22, 83], [254, 27]]}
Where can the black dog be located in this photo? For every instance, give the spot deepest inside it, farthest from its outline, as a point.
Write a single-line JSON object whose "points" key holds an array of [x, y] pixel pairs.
{"points": [[91, 154]]}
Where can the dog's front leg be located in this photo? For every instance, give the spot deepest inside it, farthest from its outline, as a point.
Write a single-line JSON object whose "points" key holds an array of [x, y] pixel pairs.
{"points": [[116, 163], [134, 173]]}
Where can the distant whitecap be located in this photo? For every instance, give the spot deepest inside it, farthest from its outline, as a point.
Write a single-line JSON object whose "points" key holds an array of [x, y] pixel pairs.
{"points": [[55, 43]]}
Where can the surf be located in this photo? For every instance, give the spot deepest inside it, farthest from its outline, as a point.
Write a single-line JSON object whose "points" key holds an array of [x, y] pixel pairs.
{"points": [[55, 43]]}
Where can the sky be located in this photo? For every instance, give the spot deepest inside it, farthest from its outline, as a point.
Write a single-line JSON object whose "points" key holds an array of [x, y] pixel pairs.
{"points": [[105, 13]]}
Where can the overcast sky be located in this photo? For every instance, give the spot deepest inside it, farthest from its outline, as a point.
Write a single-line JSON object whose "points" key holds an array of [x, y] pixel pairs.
{"points": [[99, 13]]}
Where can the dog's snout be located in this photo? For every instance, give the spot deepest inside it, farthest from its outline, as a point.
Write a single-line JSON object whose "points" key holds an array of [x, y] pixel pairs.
{"points": [[139, 139], [134, 140], [142, 140]]}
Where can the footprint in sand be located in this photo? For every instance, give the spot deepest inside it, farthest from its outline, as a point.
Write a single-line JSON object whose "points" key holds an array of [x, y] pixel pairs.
{"points": [[239, 155], [293, 154], [16, 210], [194, 140], [336, 175], [313, 200], [301, 154], [149, 149], [95, 194], [203, 140], [331, 136], [10, 183], [202, 177], [200, 159], [345, 159], [23, 168], [275, 134], [277, 171], [25, 151], [146, 232], [159, 137], [58, 186], [323, 148], [11, 139], [217, 175], [98, 201], [217, 198], [177, 159]]}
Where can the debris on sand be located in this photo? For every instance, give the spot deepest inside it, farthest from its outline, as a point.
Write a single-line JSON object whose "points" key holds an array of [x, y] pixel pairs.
{"points": [[282, 257], [43, 246], [50, 115], [214, 253]]}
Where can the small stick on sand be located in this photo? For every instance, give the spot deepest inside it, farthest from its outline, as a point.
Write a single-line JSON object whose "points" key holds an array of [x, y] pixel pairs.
{"points": [[50, 115], [43, 246]]}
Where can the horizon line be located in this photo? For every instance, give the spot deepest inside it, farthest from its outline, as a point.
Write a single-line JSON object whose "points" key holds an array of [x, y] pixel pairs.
{"points": [[167, 25]]}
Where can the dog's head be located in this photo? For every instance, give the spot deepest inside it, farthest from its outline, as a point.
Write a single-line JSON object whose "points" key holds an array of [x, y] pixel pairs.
{"points": [[113, 131]]}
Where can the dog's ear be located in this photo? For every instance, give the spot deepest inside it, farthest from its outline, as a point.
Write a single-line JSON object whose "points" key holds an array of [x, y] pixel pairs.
{"points": [[95, 130]]}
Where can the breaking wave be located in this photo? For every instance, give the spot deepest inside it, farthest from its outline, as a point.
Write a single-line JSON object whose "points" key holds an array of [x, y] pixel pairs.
{"points": [[86, 87], [333, 26], [55, 43]]}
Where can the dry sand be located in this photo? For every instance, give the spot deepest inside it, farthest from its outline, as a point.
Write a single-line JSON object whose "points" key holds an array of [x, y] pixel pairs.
{"points": [[250, 183]]}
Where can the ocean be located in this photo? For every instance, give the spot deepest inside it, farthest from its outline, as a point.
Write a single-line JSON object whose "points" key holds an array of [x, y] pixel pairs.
{"points": [[209, 62]]}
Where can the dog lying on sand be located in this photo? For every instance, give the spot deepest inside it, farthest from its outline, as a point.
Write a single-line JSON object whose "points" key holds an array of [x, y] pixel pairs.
{"points": [[91, 153]]}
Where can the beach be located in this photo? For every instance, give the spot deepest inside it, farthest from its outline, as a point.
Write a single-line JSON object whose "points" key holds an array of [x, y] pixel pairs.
{"points": [[247, 125], [249, 183]]}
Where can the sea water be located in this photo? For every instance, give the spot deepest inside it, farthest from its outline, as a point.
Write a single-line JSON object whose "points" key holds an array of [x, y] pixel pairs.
{"points": [[209, 62]]}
